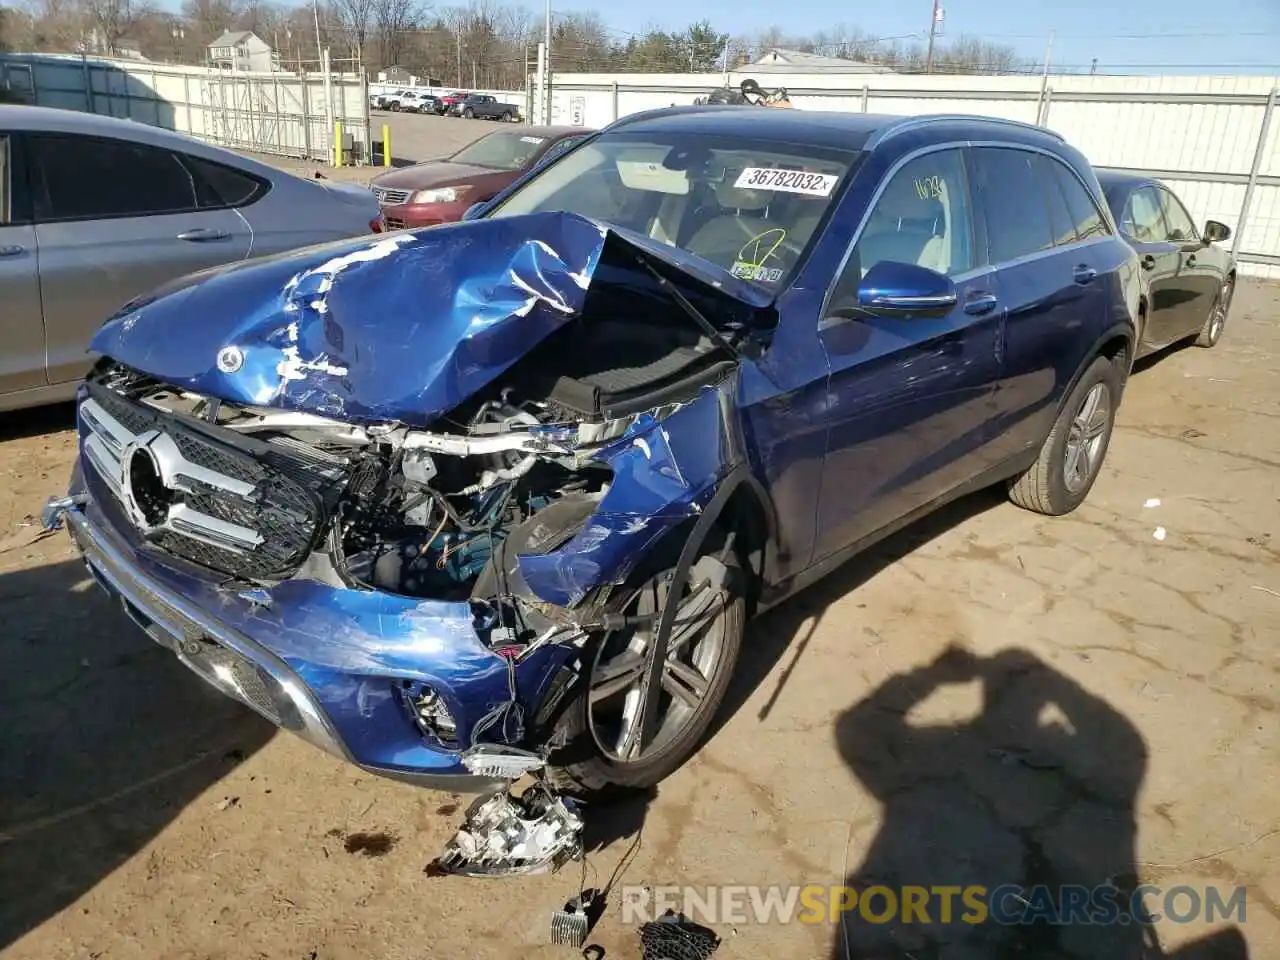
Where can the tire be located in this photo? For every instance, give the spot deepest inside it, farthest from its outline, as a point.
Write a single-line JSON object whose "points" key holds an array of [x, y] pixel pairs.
{"points": [[580, 766], [506, 116], [1211, 332], [1044, 486], [393, 107], [468, 114]]}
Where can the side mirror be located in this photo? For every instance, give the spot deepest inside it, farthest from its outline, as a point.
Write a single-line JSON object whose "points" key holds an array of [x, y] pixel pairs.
{"points": [[903, 290], [1215, 231]]}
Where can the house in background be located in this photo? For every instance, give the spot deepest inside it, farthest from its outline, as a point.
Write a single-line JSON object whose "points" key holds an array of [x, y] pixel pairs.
{"points": [[243, 51], [396, 75]]}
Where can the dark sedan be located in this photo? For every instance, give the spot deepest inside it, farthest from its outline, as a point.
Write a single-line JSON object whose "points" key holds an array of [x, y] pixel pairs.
{"points": [[1188, 281], [440, 191]]}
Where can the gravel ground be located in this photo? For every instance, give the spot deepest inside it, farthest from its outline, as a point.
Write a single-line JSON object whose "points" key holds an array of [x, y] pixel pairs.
{"points": [[1128, 724]]}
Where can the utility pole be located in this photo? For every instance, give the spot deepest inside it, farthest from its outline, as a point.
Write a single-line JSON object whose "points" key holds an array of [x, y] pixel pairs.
{"points": [[459, 54], [933, 33], [315, 9], [546, 76], [1093, 68]]}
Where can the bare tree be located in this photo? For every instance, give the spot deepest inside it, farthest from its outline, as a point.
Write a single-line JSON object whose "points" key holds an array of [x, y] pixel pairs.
{"points": [[111, 20], [207, 19], [393, 21], [355, 16]]}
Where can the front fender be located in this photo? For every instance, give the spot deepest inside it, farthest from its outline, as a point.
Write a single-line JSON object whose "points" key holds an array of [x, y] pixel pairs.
{"points": [[665, 472]]}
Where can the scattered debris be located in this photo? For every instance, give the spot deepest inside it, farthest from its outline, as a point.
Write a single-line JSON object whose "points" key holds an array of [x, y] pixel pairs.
{"points": [[674, 937], [375, 844], [1191, 433], [500, 762], [505, 834], [1152, 502], [1160, 533], [1266, 590], [571, 925], [226, 803]]}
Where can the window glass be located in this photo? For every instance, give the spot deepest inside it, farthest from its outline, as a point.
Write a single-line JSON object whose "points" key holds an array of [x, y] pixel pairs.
{"points": [[923, 217], [1014, 197], [1064, 227], [500, 151], [221, 186], [1085, 215], [1181, 226], [750, 207], [1142, 218], [84, 178], [557, 148]]}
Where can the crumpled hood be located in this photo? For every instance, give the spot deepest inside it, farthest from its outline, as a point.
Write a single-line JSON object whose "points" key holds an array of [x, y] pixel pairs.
{"points": [[402, 327]]}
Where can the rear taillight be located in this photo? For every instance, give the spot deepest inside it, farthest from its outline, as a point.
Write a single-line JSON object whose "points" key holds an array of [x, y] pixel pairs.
{"points": [[378, 224]]}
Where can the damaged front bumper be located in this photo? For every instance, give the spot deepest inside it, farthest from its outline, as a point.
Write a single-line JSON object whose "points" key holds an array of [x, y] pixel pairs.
{"points": [[328, 667]]}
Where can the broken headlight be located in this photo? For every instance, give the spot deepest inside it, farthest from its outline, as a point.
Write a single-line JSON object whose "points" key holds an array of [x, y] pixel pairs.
{"points": [[429, 713]]}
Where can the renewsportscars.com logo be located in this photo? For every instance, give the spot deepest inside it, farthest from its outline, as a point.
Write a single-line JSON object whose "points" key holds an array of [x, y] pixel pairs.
{"points": [[1007, 905]]}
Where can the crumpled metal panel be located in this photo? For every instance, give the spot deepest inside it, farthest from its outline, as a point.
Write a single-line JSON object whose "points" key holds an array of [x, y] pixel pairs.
{"points": [[664, 472], [400, 327]]}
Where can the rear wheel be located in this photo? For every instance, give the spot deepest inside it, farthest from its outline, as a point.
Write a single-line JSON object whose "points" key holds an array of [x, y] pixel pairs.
{"points": [[1211, 332], [468, 114], [609, 742], [394, 107], [1073, 452], [506, 117]]}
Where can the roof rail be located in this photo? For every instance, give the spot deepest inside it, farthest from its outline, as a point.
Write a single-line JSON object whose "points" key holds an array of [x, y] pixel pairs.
{"points": [[911, 122]]}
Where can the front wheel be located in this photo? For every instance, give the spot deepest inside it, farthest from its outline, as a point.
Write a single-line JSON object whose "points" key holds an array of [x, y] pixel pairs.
{"points": [[1072, 454], [1211, 332], [394, 108], [608, 740], [506, 117]]}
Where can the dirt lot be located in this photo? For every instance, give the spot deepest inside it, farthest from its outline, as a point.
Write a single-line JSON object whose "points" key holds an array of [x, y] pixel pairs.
{"points": [[145, 816]]}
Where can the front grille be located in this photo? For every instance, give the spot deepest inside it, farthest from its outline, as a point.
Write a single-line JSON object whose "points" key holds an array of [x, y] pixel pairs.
{"points": [[208, 502], [388, 196], [395, 223]]}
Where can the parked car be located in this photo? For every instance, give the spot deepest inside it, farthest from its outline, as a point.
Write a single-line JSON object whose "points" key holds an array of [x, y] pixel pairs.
{"points": [[95, 210], [411, 101], [384, 100], [504, 493], [485, 107], [446, 101], [440, 191], [1187, 280]]}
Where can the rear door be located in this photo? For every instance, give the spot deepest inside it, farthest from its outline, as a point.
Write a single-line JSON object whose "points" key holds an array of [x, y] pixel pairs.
{"points": [[115, 219], [1050, 289], [1199, 275], [21, 324], [1143, 225]]}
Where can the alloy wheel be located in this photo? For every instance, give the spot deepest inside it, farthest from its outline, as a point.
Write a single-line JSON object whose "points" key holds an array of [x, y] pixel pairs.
{"points": [[1086, 437], [617, 686]]}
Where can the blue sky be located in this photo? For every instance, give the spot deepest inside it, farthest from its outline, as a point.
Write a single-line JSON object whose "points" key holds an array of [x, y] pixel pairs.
{"points": [[1178, 34]]}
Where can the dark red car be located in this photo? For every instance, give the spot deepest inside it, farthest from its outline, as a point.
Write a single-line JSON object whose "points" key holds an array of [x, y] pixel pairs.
{"points": [[440, 191], [446, 101]]}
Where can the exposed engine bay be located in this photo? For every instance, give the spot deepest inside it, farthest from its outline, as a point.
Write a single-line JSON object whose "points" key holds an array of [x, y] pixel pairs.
{"points": [[423, 512]]}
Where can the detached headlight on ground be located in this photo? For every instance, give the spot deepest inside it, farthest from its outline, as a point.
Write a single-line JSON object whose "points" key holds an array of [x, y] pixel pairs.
{"points": [[439, 195]]}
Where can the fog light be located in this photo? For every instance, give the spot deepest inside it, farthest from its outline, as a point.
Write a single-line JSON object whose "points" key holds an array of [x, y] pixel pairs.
{"points": [[430, 713]]}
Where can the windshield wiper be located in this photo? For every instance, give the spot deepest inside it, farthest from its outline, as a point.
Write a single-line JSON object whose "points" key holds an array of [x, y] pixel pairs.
{"points": [[697, 315]]}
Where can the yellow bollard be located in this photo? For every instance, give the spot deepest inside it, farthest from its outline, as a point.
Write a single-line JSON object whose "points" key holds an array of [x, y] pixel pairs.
{"points": [[337, 144], [386, 144]]}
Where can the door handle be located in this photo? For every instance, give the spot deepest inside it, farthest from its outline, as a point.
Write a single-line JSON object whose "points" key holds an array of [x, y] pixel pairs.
{"points": [[1084, 273], [980, 303], [203, 235], [13, 250], [1148, 262]]}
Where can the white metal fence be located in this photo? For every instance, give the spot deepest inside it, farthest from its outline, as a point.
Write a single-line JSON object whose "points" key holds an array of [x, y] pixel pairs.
{"points": [[1212, 139], [284, 114]]}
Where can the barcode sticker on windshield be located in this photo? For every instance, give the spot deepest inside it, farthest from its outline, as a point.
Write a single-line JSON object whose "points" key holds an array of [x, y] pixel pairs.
{"points": [[787, 181]]}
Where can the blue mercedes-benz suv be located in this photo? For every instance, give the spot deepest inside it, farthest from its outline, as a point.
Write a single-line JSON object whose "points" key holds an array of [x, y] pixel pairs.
{"points": [[465, 501]]}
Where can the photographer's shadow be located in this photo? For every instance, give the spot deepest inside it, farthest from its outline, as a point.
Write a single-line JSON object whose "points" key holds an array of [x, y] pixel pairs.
{"points": [[1037, 790]]}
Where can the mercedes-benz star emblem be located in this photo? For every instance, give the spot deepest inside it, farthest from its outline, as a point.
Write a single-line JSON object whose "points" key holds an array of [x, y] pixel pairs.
{"points": [[146, 497], [230, 359]]}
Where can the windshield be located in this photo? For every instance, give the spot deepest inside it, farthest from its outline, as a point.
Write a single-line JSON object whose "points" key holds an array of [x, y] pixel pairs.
{"points": [[500, 151], [750, 207]]}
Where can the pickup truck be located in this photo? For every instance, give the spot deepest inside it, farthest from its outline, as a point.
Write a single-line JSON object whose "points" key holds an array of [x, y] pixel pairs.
{"points": [[484, 106]]}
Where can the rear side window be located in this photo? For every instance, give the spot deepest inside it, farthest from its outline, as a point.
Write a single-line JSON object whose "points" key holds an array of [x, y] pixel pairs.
{"points": [[1064, 227], [222, 186], [1142, 218], [90, 178], [1013, 194], [1085, 214]]}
